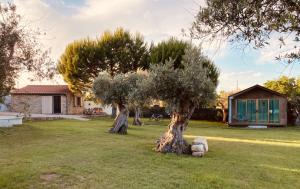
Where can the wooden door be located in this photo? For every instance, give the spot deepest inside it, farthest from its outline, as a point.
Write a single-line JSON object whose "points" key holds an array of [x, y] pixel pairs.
{"points": [[47, 105]]}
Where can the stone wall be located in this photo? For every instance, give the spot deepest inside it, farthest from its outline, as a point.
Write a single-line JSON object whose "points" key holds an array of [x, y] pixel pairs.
{"points": [[18, 102], [72, 106]]}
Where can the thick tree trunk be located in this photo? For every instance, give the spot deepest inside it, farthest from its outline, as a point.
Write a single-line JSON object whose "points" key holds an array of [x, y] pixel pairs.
{"points": [[137, 117], [172, 141], [121, 121]]}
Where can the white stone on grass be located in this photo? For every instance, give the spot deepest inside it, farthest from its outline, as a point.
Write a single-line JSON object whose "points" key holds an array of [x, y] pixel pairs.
{"points": [[201, 140]]}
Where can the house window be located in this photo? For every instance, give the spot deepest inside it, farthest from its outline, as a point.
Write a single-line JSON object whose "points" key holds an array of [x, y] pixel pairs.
{"points": [[77, 101]]}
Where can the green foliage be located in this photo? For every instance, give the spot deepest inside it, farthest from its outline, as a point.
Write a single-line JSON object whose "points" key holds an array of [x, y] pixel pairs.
{"points": [[116, 90], [190, 85], [174, 49], [114, 53], [253, 22], [289, 87], [80, 64], [20, 50], [123, 52], [166, 50]]}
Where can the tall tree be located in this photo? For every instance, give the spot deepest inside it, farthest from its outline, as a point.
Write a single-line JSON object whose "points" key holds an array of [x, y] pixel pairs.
{"points": [[291, 88], [170, 49], [80, 64], [175, 49], [114, 53], [254, 22], [183, 89], [117, 90], [20, 49]]}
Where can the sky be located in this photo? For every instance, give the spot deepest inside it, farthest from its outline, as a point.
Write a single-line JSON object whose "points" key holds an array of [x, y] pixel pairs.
{"points": [[67, 20]]}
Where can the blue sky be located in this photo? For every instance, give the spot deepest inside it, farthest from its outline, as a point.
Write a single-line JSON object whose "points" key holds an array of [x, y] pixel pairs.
{"points": [[68, 20]]}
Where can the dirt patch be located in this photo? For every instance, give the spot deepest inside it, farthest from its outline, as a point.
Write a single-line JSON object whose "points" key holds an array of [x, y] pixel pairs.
{"points": [[49, 177]]}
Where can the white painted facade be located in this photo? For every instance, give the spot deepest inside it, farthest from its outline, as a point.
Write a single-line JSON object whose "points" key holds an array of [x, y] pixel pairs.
{"points": [[92, 105]]}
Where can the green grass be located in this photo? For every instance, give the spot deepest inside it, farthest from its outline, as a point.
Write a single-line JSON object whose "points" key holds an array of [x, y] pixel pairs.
{"points": [[84, 155]]}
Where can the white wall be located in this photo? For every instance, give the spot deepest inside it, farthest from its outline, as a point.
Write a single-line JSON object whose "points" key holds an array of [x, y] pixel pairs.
{"points": [[7, 101], [91, 104]]}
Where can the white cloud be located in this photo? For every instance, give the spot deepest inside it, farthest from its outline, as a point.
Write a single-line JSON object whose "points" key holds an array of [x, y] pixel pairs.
{"points": [[155, 19]]}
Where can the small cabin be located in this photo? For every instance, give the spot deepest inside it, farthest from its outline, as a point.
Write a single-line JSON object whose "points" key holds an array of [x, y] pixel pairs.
{"points": [[257, 106]]}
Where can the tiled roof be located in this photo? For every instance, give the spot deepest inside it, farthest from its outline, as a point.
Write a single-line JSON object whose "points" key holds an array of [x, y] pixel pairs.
{"points": [[42, 89]]}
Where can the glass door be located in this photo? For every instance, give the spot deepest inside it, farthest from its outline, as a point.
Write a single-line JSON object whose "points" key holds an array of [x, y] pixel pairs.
{"points": [[241, 110], [251, 110], [274, 111], [262, 110]]}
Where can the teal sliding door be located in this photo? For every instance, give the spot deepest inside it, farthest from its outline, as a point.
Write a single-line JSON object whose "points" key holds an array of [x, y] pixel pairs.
{"points": [[262, 111], [251, 110], [241, 110], [274, 111]]}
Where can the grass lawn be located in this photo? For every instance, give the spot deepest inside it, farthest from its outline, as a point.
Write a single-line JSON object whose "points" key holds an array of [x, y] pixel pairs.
{"points": [[76, 154]]}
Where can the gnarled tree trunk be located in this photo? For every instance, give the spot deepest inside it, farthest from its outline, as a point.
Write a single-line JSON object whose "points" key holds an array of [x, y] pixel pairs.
{"points": [[172, 141], [137, 117], [121, 121]]}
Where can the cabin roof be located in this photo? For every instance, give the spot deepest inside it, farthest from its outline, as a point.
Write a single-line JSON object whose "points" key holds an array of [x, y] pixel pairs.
{"points": [[256, 87]]}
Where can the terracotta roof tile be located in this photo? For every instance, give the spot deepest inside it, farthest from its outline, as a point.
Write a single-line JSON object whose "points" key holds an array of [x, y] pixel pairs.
{"points": [[42, 89]]}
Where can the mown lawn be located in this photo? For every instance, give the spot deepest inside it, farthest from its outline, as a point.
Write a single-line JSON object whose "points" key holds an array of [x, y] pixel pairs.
{"points": [[76, 154]]}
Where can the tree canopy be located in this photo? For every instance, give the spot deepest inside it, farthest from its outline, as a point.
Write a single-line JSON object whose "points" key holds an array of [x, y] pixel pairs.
{"points": [[118, 90], [290, 87], [20, 49], [175, 49], [253, 22], [114, 53], [170, 49]]}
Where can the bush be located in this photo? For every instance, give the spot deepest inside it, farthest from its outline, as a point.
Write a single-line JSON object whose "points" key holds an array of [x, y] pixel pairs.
{"points": [[148, 112], [209, 114]]}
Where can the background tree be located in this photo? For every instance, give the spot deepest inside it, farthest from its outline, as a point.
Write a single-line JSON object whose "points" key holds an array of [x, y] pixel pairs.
{"points": [[19, 50], [222, 102], [252, 22], [175, 49], [291, 88], [183, 89], [170, 49], [117, 91], [114, 53], [137, 100], [80, 64]]}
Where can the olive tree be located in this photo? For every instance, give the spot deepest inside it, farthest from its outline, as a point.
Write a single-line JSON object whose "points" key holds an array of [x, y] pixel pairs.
{"points": [[117, 91], [138, 99], [20, 50], [183, 89]]}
